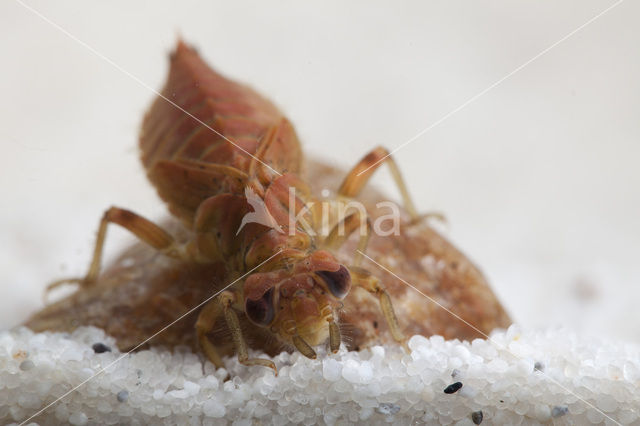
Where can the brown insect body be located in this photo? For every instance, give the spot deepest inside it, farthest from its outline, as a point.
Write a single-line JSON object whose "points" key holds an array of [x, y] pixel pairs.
{"points": [[204, 178], [300, 281]]}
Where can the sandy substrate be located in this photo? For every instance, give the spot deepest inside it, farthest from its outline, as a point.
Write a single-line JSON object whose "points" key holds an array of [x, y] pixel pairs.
{"points": [[551, 376]]}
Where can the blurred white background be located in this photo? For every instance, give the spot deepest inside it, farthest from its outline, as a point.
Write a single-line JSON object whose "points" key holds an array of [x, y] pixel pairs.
{"points": [[538, 177]]}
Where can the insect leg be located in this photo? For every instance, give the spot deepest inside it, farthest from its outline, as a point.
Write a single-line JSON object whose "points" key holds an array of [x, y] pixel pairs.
{"points": [[206, 320], [363, 278], [227, 299], [354, 181], [344, 228], [144, 229]]}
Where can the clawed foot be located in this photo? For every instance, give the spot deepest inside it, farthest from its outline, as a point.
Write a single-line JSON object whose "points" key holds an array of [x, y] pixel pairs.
{"points": [[80, 282]]}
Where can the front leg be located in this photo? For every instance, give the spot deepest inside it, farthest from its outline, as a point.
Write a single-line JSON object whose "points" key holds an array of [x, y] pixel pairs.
{"points": [[205, 323], [223, 304], [363, 278]]}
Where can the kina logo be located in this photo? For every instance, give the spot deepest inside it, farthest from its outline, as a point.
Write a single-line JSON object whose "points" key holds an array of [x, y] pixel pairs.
{"points": [[260, 213]]}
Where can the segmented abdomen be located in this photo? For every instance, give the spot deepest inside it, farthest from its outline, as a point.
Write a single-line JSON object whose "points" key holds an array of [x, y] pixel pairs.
{"points": [[172, 141]]}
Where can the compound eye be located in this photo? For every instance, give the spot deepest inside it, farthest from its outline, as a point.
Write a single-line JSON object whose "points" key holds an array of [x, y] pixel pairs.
{"points": [[338, 282], [261, 311]]}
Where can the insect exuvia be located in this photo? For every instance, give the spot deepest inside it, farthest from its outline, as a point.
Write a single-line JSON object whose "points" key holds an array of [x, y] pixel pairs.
{"points": [[229, 167]]}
